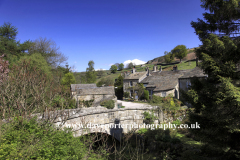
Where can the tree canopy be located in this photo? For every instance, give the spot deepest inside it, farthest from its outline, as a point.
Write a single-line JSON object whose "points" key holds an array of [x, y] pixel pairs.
{"points": [[168, 56], [121, 66], [180, 51], [113, 68], [216, 99], [91, 75]]}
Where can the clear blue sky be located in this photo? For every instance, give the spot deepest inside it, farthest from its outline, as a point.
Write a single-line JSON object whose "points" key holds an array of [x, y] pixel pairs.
{"points": [[105, 31]]}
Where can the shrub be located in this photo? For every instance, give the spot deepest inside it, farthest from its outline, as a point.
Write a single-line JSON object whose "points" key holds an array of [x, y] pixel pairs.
{"points": [[126, 94], [109, 104], [122, 106], [146, 94], [156, 99], [149, 117], [28, 139]]}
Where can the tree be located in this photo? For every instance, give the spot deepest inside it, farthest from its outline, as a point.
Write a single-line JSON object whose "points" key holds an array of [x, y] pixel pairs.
{"points": [[130, 65], [38, 62], [121, 66], [119, 85], [68, 79], [11, 48], [180, 52], [216, 100], [168, 56], [113, 69], [90, 73], [49, 50]]}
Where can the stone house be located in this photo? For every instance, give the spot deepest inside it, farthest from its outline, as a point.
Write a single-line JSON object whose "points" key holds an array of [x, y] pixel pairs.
{"points": [[88, 92], [161, 83]]}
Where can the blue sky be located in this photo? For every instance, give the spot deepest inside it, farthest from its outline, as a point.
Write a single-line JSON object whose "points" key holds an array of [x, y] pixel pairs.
{"points": [[105, 31]]}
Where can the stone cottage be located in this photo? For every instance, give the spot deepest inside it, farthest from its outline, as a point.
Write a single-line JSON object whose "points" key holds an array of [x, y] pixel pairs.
{"points": [[88, 92], [161, 83]]}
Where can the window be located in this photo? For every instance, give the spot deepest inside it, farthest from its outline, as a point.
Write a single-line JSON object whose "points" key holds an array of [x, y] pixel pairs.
{"points": [[131, 93], [150, 92], [163, 94], [131, 84]]}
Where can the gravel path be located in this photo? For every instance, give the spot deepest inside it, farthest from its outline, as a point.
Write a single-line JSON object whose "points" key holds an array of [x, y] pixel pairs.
{"points": [[131, 104]]}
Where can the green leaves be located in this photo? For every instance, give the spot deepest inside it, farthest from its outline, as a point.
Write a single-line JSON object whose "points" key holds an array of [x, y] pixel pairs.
{"points": [[180, 51], [113, 68]]}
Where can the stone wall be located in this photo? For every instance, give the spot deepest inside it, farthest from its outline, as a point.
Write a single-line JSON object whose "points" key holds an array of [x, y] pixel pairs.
{"points": [[126, 84], [97, 94], [174, 92], [104, 116]]}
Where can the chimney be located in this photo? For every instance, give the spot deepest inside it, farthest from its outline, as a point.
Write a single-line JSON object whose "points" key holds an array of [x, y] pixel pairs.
{"points": [[160, 68], [125, 74], [147, 71], [133, 70], [155, 68], [196, 61], [175, 68]]}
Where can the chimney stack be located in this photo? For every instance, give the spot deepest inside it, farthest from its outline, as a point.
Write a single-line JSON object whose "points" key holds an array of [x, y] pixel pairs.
{"points": [[133, 70], [160, 68], [125, 74], [155, 68], [175, 68]]}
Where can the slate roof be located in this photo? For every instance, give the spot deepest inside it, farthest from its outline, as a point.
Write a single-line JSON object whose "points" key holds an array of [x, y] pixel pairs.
{"points": [[109, 90], [162, 82], [167, 80], [74, 87], [196, 72], [136, 75]]}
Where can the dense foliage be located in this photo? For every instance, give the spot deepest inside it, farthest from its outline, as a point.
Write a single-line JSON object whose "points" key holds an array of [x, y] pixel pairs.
{"points": [[180, 51], [27, 139], [113, 68], [216, 99], [119, 89], [91, 75], [109, 104]]}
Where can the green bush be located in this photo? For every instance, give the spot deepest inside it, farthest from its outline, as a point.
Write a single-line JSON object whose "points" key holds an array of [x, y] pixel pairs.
{"points": [[109, 104], [27, 139], [122, 106], [126, 94], [156, 99], [177, 122], [146, 94], [149, 117]]}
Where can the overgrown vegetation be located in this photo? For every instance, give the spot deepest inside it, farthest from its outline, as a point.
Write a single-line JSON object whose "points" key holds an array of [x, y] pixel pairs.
{"points": [[109, 104]]}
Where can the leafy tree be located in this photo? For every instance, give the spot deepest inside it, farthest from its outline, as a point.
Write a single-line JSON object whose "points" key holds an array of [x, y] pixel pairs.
{"points": [[68, 79], [38, 62], [121, 66], [119, 85], [113, 69], [168, 56], [90, 73], [49, 50], [180, 52], [130, 65], [11, 48], [216, 100]]}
